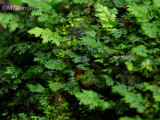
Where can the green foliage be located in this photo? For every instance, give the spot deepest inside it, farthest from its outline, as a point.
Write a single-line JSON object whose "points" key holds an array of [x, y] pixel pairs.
{"points": [[88, 59], [135, 100], [129, 118], [147, 15], [151, 29], [92, 99], [55, 65], [81, 1], [109, 80], [107, 18], [17, 2], [140, 13], [8, 20], [55, 86], [35, 88], [38, 4], [46, 34], [154, 89], [32, 72], [140, 50], [87, 78]]}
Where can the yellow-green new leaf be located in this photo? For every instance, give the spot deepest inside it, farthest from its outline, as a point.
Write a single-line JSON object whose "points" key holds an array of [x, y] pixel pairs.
{"points": [[106, 18], [129, 66]]}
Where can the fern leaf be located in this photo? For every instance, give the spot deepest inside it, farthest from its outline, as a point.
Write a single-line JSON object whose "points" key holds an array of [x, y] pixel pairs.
{"points": [[4, 19], [135, 100], [109, 80], [87, 78], [91, 98], [55, 86], [38, 4], [43, 17], [147, 65], [12, 26], [17, 81], [154, 89], [129, 65], [156, 3], [36, 88], [90, 42], [33, 71], [55, 65], [140, 50], [140, 12], [46, 34], [7, 20], [151, 29], [14, 71], [36, 13], [106, 18]]}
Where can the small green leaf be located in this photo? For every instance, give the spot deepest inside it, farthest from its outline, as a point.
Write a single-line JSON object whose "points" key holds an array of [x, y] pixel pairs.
{"points": [[36, 88], [129, 65], [140, 50], [55, 65], [151, 29], [109, 80], [55, 86], [12, 26], [43, 17], [37, 12], [154, 89], [22, 116], [91, 98]]}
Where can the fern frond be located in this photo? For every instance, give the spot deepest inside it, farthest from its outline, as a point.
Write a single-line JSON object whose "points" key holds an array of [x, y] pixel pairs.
{"points": [[140, 50], [55, 65], [154, 89], [37, 12], [46, 34], [87, 79], [36, 88], [55, 86], [7, 20], [33, 71], [140, 12], [156, 3], [91, 98], [38, 4], [151, 29], [107, 19], [134, 99]]}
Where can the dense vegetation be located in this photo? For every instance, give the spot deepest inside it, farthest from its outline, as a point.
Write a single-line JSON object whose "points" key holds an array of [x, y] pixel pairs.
{"points": [[80, 60]]}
